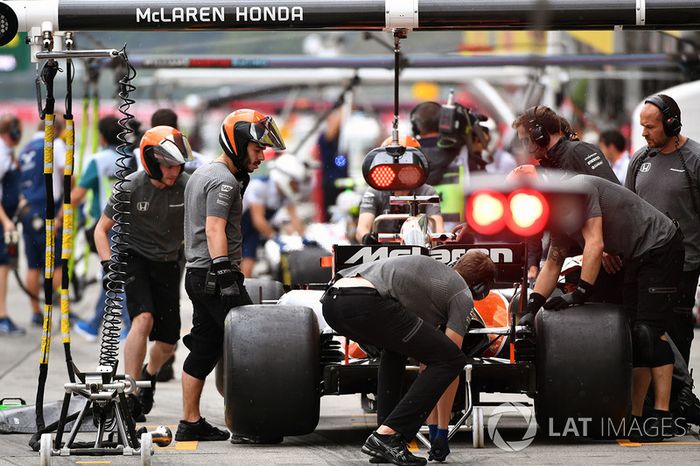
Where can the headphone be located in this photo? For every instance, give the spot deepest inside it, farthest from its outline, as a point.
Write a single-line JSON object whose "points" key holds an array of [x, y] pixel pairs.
{"points": [[13, 128], [479, 290], [671, 123], [538, 135], [413, 117]]}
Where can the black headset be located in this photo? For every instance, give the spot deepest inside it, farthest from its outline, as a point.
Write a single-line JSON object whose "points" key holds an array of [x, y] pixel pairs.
{"points": [[538, 135], [479, 290], [671, 123], [14, 129], [414, 118]]}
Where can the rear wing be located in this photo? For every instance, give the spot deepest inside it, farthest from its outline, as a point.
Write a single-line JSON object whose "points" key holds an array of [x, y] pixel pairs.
{"points": [[510, 258]]}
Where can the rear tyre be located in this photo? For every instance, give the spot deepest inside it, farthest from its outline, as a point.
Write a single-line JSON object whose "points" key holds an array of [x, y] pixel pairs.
{"points": [[584, 370], [262, 289], [271, 371]]}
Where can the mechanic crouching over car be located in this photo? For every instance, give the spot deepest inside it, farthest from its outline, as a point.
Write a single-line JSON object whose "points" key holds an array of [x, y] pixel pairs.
{"points": [[618, 222], [400, 304]]}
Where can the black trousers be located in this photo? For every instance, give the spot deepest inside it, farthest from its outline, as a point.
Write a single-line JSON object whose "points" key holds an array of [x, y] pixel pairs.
{"points": [[681, 327], [205, 340], [362, 315], [651, 286]]}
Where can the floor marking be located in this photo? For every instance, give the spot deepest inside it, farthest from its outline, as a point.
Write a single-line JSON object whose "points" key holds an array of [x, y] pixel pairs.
{"points": [[93, 462], [627, 443], [186, 445]]}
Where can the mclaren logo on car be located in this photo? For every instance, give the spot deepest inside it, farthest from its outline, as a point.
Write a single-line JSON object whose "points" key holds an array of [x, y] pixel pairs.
{"points": [[497, 255], [366, 254]]}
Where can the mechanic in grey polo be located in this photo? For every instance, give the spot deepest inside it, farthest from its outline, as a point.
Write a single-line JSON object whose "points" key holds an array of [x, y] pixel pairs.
{"points": [[619, 222], [399, 304]]}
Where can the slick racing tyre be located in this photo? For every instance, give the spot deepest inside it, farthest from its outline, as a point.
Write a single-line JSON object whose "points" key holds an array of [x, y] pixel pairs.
{"points": [[262, 289], [271, 371], [304, 267], [584, 370]]}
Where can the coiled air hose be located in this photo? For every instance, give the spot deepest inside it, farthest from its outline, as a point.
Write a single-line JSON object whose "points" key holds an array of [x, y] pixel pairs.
{"points": [[111, 326]]}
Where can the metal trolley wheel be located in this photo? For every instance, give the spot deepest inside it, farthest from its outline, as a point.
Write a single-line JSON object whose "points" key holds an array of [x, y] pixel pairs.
{"points": [[45, 450], [146, 449], [478, 427]]}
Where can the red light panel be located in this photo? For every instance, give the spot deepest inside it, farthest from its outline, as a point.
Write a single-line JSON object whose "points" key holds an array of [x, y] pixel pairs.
{"points": [[486, 212], [528, 212], [410, 175], [382, 176]]}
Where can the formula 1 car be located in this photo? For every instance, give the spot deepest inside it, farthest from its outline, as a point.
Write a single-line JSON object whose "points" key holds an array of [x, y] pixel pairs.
{"points": [[279, 359]]}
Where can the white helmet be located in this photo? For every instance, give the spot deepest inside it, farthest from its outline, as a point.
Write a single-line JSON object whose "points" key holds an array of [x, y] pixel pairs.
{"points": [[284, 170]]}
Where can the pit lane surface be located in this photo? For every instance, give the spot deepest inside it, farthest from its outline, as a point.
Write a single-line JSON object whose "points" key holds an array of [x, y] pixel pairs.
{"points": [[337, 440]]}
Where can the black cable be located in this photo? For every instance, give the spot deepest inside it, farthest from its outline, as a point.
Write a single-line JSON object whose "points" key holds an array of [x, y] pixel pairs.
{"points": [[67, 236], [48, 73], [109, 346]]}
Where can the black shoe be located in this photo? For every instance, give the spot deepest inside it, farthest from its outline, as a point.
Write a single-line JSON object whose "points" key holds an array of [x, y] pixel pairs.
{"points": [[200, 431], [146, 394], [238, 439], [135, 408], [391, 448], [655, 428], [689, 405], [439, 450], [166, 372]]}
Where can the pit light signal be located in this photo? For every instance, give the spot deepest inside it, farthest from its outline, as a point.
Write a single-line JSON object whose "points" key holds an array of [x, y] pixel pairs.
{"points": [[525, 212], [395, 168]]}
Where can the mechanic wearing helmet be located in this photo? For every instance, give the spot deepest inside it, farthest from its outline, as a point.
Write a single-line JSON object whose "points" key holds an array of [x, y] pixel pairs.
{"points": [[155, 212], [265, 196], [391, 304], [213, 280], [375, 203], [619, 222], [549, 139]]}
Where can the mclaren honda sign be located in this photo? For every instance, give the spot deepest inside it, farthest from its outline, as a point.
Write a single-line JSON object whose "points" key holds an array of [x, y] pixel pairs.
{"points": [[212, 14]]}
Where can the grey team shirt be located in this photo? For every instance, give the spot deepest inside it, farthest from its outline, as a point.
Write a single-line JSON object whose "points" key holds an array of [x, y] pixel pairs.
{"points": [[631, 226], [156, 217], [212, 191], [661, 181], [425, 287]]}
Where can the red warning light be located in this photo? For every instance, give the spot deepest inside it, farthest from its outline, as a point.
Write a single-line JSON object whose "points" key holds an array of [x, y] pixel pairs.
{"points": [[486, 212], [528, 212]]}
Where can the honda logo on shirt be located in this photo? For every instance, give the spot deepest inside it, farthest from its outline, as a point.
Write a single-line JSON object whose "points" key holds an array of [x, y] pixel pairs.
{"points": [[645, 167], [142, 206]]}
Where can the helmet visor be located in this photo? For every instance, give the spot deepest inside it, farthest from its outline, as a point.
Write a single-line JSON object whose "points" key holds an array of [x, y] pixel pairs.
{"points": [[266, 133], [173, 150]]}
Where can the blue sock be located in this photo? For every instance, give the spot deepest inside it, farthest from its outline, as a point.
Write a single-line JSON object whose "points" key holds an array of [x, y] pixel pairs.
{"points": [[441, 433], [433, 430]]}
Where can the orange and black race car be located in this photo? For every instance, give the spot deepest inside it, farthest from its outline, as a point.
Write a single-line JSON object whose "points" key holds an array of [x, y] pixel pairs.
{"points": [[280, 358]]}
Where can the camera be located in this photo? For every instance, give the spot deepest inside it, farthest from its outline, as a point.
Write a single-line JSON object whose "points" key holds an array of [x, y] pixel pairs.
{"points": [[458, 124]]}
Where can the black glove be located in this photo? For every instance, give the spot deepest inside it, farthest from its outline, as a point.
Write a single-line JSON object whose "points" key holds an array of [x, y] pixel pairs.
{"points": [[105, 274], [534, 303], [370, 238], [226, 278], [575, 298]]}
